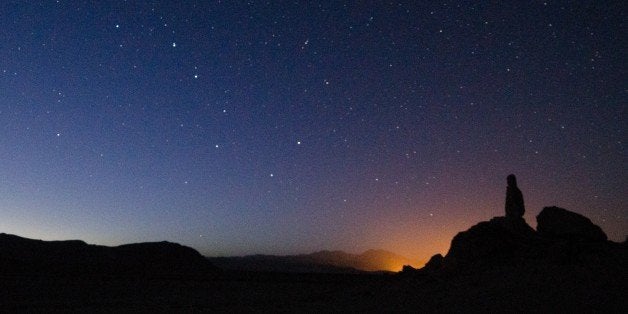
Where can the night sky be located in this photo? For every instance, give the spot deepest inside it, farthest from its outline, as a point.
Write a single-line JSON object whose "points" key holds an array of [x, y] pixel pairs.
{"points": [[286, 127]]}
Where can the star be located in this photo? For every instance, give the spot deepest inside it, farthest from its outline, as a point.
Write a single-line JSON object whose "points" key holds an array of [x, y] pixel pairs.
{"points": [[406, 112]]}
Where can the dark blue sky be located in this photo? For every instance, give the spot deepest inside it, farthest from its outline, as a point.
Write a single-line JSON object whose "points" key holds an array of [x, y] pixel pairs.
{"points": [[291, 126]]}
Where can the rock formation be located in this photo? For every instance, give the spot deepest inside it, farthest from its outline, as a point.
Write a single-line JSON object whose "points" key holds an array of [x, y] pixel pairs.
{"points": [[503, 265], [559, 223], [500, 240], [562, 237], [435, 263]]}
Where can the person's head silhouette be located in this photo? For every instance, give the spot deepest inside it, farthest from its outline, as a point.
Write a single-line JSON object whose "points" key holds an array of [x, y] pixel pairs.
{"points": [[512, 180]]}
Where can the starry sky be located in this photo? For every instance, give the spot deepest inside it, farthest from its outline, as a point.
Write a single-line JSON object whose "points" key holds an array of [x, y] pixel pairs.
{"points": [[284, 127]]}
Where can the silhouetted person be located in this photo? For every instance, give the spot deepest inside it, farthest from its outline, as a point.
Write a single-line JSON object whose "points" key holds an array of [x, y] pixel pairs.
{"points": [[514, 199]]}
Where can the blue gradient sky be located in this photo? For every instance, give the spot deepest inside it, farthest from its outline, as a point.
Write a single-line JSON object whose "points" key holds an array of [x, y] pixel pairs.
{"points": [[286, 127]]}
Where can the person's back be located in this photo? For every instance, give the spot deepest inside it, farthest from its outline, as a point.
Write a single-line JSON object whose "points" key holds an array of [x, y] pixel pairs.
{"points": [[514, 198]]}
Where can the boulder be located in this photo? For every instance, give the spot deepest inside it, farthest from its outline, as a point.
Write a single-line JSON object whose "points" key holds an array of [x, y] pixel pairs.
{"points": [[435, 263], [408, 269], [558, 223]]}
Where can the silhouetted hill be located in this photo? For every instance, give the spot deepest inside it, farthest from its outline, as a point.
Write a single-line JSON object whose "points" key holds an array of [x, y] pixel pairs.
{"points": [[22, 256], [318, 262]]}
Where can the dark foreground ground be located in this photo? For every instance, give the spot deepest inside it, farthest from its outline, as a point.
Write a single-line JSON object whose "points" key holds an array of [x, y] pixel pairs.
{"points": [[562, 291], [239, 292]]}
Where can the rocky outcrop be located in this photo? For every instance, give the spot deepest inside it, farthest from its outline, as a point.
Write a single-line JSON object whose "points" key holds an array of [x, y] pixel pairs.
{"points": [[500, 240], [435, 263], [558, 223], [503, 265], [562, 238]]}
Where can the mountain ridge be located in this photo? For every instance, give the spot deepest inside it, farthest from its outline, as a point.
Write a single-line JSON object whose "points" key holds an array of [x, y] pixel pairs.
{"points": [[333, 261], [24, 256]]}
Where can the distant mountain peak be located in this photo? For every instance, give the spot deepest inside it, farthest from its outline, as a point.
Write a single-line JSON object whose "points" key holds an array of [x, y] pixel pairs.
{"points": [[319, 261]]}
